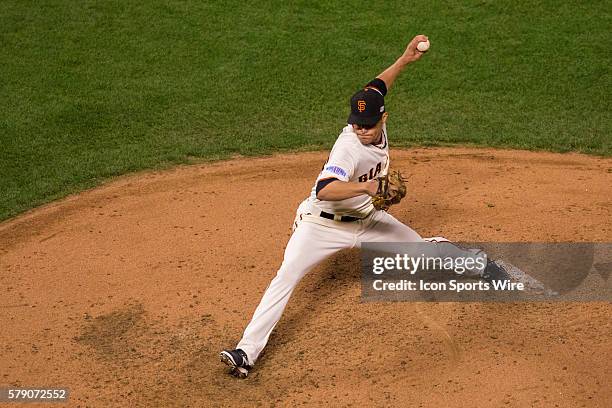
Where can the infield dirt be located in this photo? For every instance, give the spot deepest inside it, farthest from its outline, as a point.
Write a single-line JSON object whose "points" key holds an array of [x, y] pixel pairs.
{"points": [[126, 294]]}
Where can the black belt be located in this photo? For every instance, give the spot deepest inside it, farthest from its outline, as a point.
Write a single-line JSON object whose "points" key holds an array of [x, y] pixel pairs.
{"points": [[344, 218]]}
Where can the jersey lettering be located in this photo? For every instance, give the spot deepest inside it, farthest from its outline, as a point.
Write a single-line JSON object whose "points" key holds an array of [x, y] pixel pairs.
{"points": [[372, 173]]}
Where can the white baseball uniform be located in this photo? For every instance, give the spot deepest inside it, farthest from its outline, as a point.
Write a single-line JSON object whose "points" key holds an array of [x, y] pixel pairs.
{"points": [[315, 238]]}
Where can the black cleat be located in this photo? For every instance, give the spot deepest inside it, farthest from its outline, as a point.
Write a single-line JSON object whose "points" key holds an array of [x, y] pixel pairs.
{"points": [[238, 361], [495, 272]]}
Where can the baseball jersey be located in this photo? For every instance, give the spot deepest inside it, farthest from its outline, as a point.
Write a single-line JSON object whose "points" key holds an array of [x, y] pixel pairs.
{"points": [[350, 160]]}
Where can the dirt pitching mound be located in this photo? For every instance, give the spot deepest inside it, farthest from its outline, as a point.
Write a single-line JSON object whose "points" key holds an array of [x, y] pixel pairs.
{"points": [[126, 294]]}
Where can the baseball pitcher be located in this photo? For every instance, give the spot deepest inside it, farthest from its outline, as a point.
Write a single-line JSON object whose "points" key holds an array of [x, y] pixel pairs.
{"points": [[347, 206]]}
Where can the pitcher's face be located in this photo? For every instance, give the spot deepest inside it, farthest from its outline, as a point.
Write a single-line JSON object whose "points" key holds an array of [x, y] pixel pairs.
{"points": [[370, 134]]}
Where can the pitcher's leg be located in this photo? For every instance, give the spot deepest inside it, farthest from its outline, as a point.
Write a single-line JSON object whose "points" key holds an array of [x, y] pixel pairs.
{"points": [[383, 227], [308, 246]]}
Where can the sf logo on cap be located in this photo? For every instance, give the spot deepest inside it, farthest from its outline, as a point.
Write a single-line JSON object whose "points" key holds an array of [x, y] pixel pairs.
{"points": [[361, 105]]}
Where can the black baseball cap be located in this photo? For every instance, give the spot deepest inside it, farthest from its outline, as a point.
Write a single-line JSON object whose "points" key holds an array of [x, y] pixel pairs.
{"points": [[367, 107]]}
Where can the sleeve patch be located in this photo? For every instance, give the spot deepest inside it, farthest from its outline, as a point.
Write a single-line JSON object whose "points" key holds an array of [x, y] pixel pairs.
{"points": [[336, 170]]}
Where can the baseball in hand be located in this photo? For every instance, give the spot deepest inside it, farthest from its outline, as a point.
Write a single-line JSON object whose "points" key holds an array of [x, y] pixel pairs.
{"points": [[423, 46]]}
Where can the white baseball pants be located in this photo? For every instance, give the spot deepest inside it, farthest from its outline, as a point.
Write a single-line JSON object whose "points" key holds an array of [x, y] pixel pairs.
{"points": [[314, 239]]}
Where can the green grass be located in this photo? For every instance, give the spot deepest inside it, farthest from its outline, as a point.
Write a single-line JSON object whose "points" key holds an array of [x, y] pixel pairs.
{"points": [[94, 89]]}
